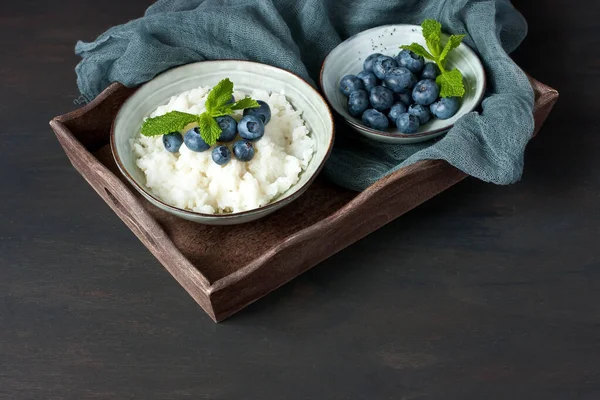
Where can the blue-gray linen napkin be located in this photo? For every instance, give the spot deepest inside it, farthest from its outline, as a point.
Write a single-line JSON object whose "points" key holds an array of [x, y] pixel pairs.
{"points": [[297, 35]]}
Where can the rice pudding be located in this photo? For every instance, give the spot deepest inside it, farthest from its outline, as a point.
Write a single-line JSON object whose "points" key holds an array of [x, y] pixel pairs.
{"points": [[192, 181]]}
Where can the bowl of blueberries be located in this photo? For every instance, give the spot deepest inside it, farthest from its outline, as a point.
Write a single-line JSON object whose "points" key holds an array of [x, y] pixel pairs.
{"points": [[389, 93]]}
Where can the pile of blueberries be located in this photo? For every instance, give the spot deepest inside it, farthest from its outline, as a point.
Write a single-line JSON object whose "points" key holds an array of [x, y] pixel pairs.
{"points": [[250, 128], [387, 92]]}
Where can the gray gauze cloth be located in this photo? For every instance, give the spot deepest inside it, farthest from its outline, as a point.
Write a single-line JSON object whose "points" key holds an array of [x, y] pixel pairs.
{"points": [[297, 35]]}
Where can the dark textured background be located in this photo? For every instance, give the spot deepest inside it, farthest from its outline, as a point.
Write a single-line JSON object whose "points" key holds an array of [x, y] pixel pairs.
{"points": [[483, 292]]}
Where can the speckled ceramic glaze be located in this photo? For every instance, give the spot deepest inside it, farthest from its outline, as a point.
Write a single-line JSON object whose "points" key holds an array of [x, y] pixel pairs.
{"points": [[348, 57], [246, 76]]}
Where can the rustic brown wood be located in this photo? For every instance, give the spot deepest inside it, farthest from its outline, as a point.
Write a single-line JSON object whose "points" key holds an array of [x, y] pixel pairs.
{"points": [[277, 248]]}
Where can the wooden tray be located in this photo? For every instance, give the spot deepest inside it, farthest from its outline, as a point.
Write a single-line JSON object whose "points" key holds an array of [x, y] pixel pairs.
{"points": [[220, 275]]}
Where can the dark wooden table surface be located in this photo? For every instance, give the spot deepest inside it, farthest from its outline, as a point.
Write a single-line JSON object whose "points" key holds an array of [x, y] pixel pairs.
{"points": [[484, 292]]}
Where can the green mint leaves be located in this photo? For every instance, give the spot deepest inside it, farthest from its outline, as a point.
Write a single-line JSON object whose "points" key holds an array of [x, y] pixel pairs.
{"points": [[418, 50], [244, 103], [218, 103], [432, 32], [209, 128], [219, 98], [453, 42], [451, 82], [170, 122]]}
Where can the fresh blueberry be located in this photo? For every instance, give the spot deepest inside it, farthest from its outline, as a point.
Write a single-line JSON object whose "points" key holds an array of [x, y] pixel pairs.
{"points": [[420, 112], [407, 123], [228, 127], [396, 110], [358, 102], [430, 71], [374, 119], [243, 150], [251, 128], [383, 65], [381, 98], [406, 98], [263, 112], [221, 155], [426, 92], [368, 79], [349, 84], [194, 141], [445, 107], [370, 61], [400, 80], [172, 141], [411, 61]]}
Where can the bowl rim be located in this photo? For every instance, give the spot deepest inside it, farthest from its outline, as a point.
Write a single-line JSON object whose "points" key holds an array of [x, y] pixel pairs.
{"points": [[272, 205], [401, 135]]}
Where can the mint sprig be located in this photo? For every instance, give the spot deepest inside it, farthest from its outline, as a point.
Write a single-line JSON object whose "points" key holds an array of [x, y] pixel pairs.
{"points": [[218, 103], [219, 97], [246, 102], [167, 123], [432, 32], [451, 82]]}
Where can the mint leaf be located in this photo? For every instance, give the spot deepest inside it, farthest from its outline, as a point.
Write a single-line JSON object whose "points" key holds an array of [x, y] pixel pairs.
{"points": [[451, 44], [209, 129], [451, 84], [418, 50], [230, 108], [219, 95], [432, 32], [247, 102], [219, 112], [167, 123]]}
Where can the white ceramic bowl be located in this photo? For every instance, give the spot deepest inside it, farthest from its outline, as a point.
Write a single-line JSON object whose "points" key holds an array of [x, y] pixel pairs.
{"points": [[348, 57], [246, 76]]}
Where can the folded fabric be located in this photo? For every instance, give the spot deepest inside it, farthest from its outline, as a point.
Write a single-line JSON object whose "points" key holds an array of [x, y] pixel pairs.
{"points": [[298, 34]]}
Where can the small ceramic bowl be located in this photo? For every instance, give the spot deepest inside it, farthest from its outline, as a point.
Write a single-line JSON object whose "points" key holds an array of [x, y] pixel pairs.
{"points": [[246, 76], [348, 57]]}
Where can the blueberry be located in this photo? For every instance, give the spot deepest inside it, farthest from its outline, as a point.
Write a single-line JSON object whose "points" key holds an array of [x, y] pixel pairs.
{"points": [[368, 79], [263, 112], [411, 61], [172, 141], [400, 80], [194, 141], [406, 98], [221, 155], [430, 71], [381, 98], [426, 92], [445, 107], [374, 119], [358, 102], [420, 112], [243, 150], [396, 110], [369, 61], [349, 84], [383, 65], [251, 128], [228, 127], [407, 123]]}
